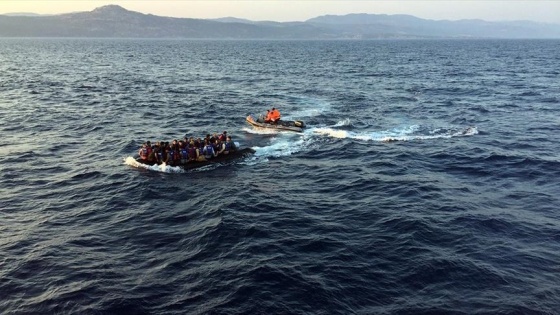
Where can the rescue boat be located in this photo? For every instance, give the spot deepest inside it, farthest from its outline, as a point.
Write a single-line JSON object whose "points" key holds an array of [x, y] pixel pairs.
{"points": [[296, 125]]}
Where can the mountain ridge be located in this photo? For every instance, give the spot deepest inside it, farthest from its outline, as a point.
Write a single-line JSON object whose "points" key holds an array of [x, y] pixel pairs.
{"points": [[114, 21]]}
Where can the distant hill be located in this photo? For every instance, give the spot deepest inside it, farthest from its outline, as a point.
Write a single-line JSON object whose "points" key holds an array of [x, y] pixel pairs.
{"points": [[113, 21], [375, 25], [116, 22]]}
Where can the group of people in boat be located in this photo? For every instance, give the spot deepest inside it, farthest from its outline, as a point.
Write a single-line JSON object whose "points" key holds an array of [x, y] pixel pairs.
{"points": [[272, 116], [186, 150]]}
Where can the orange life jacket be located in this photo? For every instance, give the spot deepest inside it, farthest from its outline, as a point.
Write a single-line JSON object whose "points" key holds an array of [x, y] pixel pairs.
{"points": [[274, 115]]}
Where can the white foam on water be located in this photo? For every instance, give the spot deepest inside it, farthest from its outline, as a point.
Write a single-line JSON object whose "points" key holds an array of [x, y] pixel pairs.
{"points": [[470, 131], [400, 132], [344, 122], [335, 133], [155, 168], [281, 147], [284, 144]]}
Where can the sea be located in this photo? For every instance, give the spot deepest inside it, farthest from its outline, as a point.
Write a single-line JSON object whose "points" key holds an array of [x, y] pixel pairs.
{"points": [[426, 181]]}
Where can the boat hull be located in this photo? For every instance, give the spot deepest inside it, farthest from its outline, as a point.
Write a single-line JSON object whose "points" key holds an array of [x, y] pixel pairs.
{"points": [[225, 158], [296, 126]]}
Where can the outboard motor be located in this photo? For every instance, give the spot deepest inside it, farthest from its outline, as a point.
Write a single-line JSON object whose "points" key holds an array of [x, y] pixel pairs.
{"points": [[299, 123]]}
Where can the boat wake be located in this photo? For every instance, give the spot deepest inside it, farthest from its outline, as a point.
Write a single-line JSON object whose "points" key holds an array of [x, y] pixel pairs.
{"points": [[284, 144], [405, 133]]}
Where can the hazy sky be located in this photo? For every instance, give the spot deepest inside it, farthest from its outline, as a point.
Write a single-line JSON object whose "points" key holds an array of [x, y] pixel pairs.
{"points": [[292, 10]]}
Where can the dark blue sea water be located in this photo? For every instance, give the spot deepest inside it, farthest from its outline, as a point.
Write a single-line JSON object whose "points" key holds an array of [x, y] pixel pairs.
{"points": [[386, 204]]}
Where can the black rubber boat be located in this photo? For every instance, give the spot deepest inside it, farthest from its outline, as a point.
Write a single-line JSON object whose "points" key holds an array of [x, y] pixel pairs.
{"points": [[219, 159]]}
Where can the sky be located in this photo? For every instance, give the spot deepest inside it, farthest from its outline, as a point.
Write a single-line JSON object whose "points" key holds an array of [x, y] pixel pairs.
{"points": [[293, 10]]}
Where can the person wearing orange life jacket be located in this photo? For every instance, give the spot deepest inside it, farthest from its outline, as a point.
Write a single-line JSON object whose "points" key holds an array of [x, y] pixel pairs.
{"points": [[266, 117], [274, 115]]}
